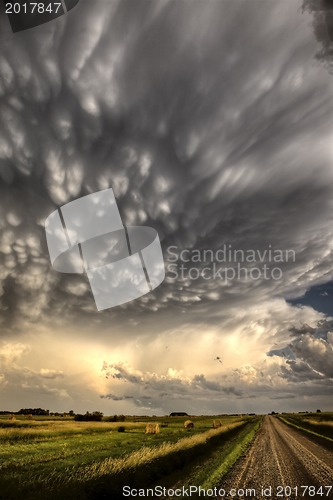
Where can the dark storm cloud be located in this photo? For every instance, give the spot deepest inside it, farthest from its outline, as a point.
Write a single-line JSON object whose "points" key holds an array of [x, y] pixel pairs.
{"points": [[209, 135], [302, 330], [299, 371], [317, 353]]}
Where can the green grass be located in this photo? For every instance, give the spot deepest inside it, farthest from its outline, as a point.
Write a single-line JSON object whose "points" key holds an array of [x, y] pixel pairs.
{"points": [[230, 454], [315, 424], [67, 459], [209, 469]]}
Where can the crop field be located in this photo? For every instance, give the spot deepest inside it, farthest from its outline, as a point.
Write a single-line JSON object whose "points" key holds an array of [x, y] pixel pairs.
{"points": [[62, 458], [317, 424]]}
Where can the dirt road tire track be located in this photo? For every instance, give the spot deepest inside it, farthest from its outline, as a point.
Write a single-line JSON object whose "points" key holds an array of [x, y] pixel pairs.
{"points": [[281, 456]]}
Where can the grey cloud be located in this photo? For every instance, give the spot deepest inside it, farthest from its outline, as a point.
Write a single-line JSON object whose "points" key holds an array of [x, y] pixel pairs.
{"points": [[302, 330], [299, 371], [202, 382], [170, 385], [285, 352], [284, 396], [116, 398], [140, 401], [318, 353], [310, 354], [119, 371], [280, 383]]}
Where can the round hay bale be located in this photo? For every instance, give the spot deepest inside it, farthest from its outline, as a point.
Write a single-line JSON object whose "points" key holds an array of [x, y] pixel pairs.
{"points": [[217, 424], [152, 428], [188, 424]]}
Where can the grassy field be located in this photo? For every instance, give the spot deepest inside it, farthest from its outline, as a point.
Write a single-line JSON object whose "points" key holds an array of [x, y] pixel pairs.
{"points": [[61, 458], [317, 424]]}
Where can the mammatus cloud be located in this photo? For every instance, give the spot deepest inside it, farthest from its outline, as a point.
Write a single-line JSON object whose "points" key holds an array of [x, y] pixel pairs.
{"points": [[224, 149]]}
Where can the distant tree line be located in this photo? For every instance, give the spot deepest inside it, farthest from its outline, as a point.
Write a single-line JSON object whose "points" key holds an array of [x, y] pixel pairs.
{"points": [[95, 416], [116, 418], [33, 411]]}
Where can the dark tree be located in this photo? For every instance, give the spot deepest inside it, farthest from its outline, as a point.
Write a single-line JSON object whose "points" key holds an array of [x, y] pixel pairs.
{"points": [[95, 416], [33, 411]]}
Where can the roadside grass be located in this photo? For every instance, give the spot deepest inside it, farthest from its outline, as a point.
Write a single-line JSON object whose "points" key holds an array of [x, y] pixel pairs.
{"points": [[318, 425], [230, 454], [319, 422], [208, 470], [70, 459]]}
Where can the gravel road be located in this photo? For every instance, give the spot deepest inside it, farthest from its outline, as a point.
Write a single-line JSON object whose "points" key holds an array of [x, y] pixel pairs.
{"points": [[281, 457]]}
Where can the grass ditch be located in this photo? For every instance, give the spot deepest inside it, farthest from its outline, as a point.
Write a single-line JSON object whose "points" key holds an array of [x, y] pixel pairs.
{"points": [[231, 453], [312, 431], [208, 470]]}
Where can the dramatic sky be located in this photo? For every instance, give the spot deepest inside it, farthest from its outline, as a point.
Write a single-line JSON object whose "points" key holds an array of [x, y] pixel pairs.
{"points": [[212, 122]]}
